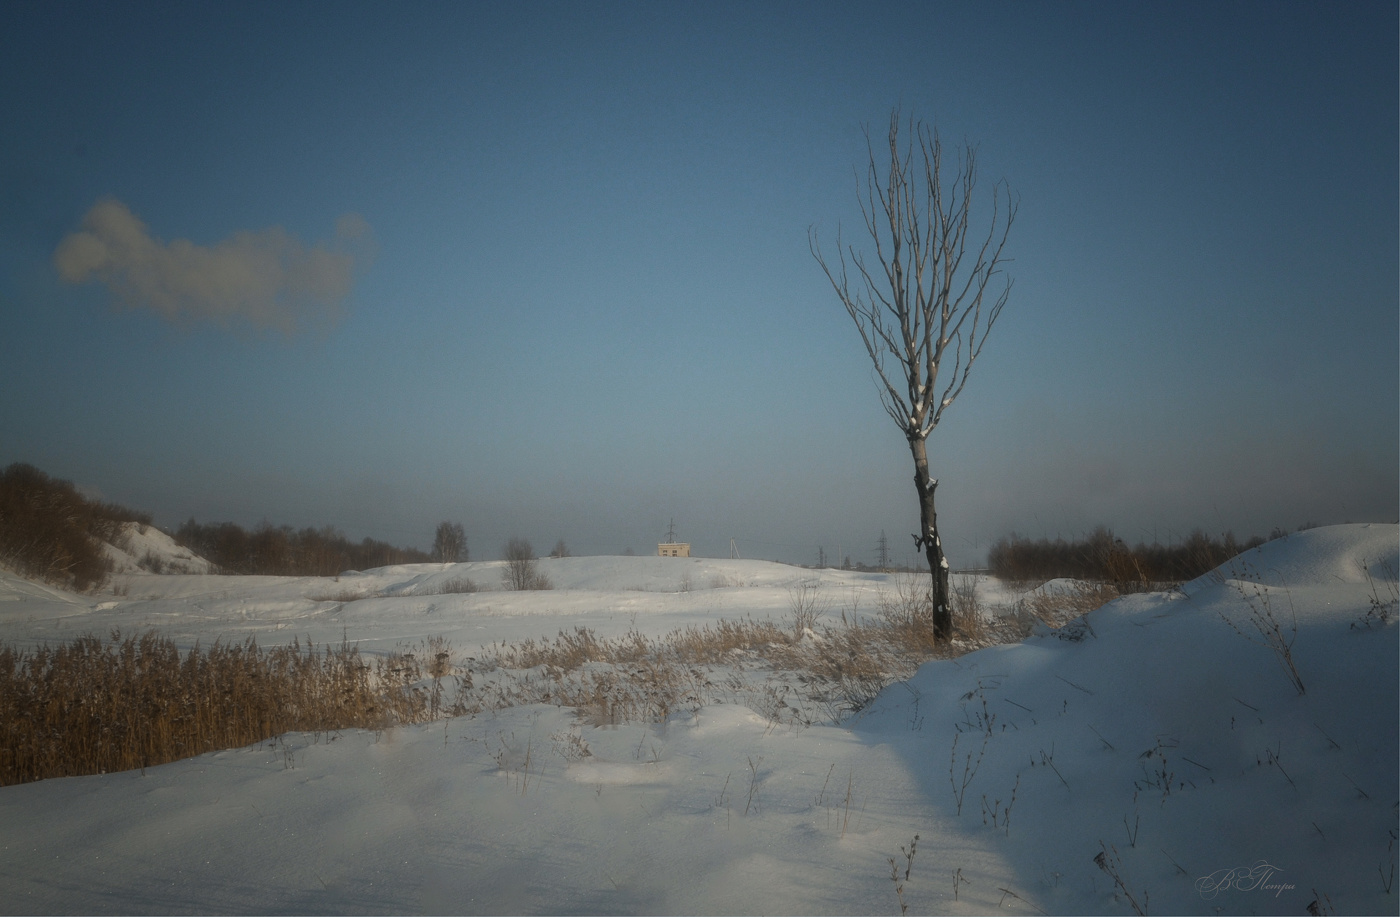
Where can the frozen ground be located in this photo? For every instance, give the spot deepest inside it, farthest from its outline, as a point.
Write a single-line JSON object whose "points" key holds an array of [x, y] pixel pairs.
{"points": [[1150, 742]]}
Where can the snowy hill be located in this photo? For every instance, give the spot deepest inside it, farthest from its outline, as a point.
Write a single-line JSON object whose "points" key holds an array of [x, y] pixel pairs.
{"points": [[1155, 732], [1154, 756], [146, 549]]}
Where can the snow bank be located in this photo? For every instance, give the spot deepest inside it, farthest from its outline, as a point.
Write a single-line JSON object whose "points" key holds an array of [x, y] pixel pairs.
{"points": [[1154, 731], [146, 549], [1147, 755]]}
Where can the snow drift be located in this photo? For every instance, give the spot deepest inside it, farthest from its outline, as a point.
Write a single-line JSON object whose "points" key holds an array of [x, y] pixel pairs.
{"points": [[1155, 755]]}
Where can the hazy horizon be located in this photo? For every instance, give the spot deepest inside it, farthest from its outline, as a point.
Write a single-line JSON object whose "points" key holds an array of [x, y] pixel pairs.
{"points": [[542, 269]]}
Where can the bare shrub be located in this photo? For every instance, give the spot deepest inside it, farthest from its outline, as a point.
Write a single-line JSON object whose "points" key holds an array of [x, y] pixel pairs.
{"points": [[1264, 621], [968, 620], [560, 549], [806, 606], [522, 570]]}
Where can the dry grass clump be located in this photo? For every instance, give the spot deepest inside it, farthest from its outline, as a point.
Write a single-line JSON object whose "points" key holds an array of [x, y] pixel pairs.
{"points": [[724, 639], [693, 645], [907, 613], [569, 651], [635, 677], [1057, 605], [460, 585], [90, 707], [647, 691], [968, 620]]}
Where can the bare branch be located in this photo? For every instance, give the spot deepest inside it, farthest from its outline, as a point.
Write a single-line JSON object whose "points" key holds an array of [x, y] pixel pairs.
{"points": [[923, 297], [927, 294]]}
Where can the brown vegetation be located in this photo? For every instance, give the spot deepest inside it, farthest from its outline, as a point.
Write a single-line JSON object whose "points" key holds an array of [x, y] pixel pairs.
{"points": [[90, 707], [51, 532], [284, 551], [840, 667], [94, 706], [1057, 604], [1103, 558], [522, 570]]}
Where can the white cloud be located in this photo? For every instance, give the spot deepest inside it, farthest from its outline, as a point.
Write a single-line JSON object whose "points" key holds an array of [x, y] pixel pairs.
{"points": [[267, 278]]}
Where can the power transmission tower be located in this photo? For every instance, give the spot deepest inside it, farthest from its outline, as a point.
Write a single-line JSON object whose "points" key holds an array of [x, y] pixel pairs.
{"points": [[882, 551], [671, 532], [733, 550]]}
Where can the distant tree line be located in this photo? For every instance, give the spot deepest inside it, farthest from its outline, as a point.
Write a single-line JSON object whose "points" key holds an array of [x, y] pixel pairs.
{"points": [[1105, 558], [50, 532], [283, 551]]}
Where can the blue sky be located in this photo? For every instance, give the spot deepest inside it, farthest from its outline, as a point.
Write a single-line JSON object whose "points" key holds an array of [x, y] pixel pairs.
{"points": [[546, 268]]}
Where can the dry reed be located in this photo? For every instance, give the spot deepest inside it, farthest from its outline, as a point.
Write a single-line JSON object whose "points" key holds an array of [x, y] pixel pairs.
{"points": [[637, 678], [1058, 604], [91, 707]]}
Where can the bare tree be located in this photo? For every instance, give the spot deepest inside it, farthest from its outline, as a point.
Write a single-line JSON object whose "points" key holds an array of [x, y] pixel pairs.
{"points": [[921, 303], [521, 568], [450, 543]]}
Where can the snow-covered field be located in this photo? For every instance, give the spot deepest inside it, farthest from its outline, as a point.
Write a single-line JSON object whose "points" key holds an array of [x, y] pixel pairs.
{"points": [[1148, 757]]}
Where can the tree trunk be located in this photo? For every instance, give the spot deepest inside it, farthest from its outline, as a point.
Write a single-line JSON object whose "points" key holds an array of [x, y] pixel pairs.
{"points": [[928, 541]]}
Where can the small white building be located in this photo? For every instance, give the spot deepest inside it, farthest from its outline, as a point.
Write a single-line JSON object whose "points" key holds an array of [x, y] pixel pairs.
{"points": [[672, 549]]}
